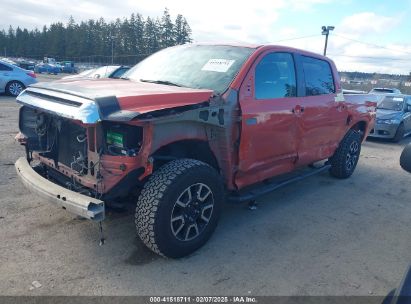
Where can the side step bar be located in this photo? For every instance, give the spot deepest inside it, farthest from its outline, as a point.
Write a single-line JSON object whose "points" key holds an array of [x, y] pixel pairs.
{"points": [[267, 188]]}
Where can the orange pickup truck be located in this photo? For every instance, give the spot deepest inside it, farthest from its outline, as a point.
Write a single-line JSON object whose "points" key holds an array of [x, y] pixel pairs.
{"points": [[186, 129]]}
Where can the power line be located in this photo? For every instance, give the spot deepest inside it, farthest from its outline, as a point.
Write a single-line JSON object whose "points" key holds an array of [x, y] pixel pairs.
{"points": [[297, 38], [372, 44], [369, 57]]}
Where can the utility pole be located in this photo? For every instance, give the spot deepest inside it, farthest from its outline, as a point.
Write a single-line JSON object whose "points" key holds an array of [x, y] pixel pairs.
{"points": [[112, 47], [5, 52], [326, 31]]}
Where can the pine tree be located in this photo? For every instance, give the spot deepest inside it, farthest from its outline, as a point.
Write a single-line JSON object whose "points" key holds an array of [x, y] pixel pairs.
{"points": [[133, 38], [166, 30], [151, 36], [186, 32]]}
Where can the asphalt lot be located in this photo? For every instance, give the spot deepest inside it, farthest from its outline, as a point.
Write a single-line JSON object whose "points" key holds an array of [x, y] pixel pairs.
{"points": [[321, 236]]}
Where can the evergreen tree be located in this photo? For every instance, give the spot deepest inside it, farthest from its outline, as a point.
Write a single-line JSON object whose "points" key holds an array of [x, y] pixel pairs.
{"points": [[166, 30], [182, 31], [151, 36], [133, 38]]}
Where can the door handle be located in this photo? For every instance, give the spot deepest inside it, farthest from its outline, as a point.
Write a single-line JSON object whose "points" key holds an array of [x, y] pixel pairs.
{"points": [[298, 109], [340, 107]]}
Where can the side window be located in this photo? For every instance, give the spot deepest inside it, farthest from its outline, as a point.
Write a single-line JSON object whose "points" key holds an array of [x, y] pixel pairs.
{"points": [[318, 77], [5, 67], [275, 77]]}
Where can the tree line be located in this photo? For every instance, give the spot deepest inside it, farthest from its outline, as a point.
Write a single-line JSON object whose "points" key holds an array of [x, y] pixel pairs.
{"points": [[130, 39]]}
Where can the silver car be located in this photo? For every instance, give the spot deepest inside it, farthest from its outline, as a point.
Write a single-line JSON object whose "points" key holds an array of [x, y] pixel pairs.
{"points": [[393, 117], [13, 79]]}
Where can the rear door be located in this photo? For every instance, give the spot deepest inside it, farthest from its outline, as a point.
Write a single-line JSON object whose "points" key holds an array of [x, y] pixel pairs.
{"points": [[323, 115], [268, 144]]}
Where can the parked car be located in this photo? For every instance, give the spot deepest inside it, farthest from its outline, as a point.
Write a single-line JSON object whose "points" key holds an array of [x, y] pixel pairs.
{"points": [[13, 80], [393, 118], [188, 128], [26, 65], [108, 71], [68, 67], [385, 91], [47, 68]]}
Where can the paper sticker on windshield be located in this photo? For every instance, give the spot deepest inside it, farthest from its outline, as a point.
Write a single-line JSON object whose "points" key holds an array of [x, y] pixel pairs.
{"points": [[398, 99], [218, 65]]}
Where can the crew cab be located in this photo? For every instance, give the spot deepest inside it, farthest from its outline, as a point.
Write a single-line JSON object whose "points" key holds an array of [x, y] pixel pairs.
{"points": [[186, 129]]}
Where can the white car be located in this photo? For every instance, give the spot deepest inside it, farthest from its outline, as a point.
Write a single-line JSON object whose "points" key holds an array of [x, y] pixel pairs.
{"points": [[13, 80], [107, 71]]}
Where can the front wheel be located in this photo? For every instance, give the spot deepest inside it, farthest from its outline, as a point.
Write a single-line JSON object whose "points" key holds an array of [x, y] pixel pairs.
{"points": [[399, 134], [345, 158], [178, 208]]}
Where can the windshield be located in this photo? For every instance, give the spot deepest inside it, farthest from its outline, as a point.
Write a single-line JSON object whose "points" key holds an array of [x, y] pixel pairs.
{"points": [[104, 71], [192, 66], [392, 103], [86, 72]]}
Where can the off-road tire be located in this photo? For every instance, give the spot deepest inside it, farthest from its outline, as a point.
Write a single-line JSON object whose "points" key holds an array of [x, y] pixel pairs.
{"points": [[9, 88], [344, 160], [157, 201], [399, 135]]}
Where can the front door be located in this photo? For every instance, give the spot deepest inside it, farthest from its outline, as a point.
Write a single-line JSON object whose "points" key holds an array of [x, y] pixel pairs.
{"points": [[269, 134]]}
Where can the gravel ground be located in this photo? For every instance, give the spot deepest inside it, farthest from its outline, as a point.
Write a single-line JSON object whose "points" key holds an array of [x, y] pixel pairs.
{"points": [[321, 236]]}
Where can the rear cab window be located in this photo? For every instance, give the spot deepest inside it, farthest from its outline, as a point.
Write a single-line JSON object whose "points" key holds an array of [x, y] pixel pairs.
{"points": [[318, 76]]}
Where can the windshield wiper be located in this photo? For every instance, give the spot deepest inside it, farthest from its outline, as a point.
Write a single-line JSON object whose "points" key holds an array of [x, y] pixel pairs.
{"points": [[166, 82]]}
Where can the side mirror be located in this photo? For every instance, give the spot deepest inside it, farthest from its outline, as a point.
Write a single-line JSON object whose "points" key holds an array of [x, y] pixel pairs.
{"points": [[405, 159]]}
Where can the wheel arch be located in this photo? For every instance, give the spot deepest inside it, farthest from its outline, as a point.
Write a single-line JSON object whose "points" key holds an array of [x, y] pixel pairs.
{"points": [[189, 148], [14, 80], [361, 127]]}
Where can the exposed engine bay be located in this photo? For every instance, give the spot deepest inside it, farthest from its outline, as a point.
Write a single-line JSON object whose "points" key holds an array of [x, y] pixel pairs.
{"points": [[74, 149]]}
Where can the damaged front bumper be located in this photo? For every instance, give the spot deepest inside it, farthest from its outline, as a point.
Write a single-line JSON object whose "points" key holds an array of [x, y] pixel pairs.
{"points": [[74, 202]]}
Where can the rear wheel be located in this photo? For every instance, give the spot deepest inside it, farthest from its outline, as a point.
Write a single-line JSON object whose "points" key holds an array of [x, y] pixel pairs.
{"points": [[178, 208], [399, 134], [345, 158], [14, 88]]}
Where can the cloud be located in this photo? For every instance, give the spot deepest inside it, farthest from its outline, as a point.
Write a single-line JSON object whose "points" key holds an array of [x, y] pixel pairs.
{"points": [[368, 22], [257, 22], [307, 5]]}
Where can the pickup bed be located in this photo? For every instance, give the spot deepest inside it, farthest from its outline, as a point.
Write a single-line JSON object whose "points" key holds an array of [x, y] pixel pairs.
{"points": [[187, 129]]}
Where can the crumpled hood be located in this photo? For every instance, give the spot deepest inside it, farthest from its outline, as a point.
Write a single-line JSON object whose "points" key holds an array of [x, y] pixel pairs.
{"points": [[90, 100], [388, 114], [136, 96]]}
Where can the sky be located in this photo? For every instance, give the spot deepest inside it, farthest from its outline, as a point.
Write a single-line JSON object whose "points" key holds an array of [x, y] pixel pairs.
{"points": [[369, 35]]}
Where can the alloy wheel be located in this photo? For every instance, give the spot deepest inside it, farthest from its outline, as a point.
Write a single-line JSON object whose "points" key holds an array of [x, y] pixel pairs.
{"points": [[192, 212]]}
